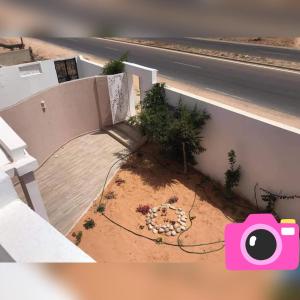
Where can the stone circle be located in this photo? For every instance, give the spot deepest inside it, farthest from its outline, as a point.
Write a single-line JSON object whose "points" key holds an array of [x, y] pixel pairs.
{"points": [[168, 228]]}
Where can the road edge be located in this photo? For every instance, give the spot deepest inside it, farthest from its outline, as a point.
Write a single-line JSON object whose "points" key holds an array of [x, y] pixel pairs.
{"points": [[209, 56]]}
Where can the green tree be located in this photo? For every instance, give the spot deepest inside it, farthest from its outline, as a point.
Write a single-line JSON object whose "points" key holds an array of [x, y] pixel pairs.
{"points": [[177, 131]]}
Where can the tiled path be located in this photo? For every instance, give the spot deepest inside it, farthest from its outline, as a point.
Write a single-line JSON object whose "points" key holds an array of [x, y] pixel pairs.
{"points": [[73, 177]]}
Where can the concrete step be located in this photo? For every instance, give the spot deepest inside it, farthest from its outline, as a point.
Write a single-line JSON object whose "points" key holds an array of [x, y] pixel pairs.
{"points": [[127, 135]]}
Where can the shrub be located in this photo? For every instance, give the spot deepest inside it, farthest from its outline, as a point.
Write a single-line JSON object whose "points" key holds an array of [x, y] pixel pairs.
{"points": [[232, 175], [177, 130], [89, 224], [101, 208], [77, 236], [115, 66], [183, 136], [270, 199], [143, 209]]}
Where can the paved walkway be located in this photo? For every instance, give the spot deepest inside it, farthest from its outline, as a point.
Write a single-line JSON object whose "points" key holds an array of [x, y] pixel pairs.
{"points": [[73, 177]]}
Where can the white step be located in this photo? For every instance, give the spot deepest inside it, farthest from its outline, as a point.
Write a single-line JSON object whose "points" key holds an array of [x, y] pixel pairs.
{"points": [[127, 135]]}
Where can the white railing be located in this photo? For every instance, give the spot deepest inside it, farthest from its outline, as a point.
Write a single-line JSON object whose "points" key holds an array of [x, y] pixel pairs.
{"points": [[25, 237]]}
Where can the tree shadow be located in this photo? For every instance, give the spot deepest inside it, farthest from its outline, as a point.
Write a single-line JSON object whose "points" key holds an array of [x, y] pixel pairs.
{"points": [[158, 171]]}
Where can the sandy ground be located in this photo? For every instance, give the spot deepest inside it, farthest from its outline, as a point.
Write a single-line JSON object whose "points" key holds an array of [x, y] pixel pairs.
{"points": [[147, 182], [271, 41], [43, 50]]}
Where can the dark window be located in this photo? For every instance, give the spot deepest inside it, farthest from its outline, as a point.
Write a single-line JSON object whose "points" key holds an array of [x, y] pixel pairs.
{"points": [[66, 70]]}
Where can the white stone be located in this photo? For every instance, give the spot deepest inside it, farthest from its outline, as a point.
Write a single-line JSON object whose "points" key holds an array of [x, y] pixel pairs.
{"points": [[150, 227], [154, 230], [178, 229], [148, 221], [176, 225], [154, 209], [172, 207], [182, 227], [168, 233], [155, 215], [167, 229], [171, 227], [173, 233], [161, 230]]}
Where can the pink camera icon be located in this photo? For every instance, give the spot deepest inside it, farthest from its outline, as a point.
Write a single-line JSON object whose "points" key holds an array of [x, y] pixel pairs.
{"points": [[261, 243]]}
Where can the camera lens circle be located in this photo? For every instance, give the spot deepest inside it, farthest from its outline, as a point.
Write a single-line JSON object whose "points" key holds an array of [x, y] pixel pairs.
{"points": [[261, 244]]}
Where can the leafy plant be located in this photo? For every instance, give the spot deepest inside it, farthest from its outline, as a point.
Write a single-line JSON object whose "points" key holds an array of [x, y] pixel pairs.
{"points": [[177, 130], [115, 66], [77, 236], [101, 208], [184, 133], [232, 175], [270, 199], [143, 209], [89, 224]]}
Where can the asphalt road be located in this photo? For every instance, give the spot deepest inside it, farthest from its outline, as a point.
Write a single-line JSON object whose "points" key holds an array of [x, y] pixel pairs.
{"points": [[272, 88], [239, 48]]}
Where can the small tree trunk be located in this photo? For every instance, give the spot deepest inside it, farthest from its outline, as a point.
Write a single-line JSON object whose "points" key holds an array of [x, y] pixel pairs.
{"points": [[184, 159], [22, 43]]}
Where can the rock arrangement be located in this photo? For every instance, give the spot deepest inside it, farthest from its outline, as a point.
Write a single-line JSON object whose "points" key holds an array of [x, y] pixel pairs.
{"points": [[169, 228]]}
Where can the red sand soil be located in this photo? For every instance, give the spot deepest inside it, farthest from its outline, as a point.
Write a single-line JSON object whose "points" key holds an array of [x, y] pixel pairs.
{"points": [[148, 182]]}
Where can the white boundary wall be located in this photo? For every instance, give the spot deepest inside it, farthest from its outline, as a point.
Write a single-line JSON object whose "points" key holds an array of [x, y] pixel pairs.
{"points": [[268, 152], [147, 77], [87, 68], [21, 81]]}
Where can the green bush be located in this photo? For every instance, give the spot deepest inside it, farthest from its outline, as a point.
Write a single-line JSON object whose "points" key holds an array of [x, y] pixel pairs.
{"points": [[89, 224], [115, 66], [177, 130], [101, 208], [232, 175]]}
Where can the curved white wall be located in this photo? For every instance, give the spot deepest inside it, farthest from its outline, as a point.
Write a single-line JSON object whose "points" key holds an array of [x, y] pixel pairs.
{"points": [[72, 108]]}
